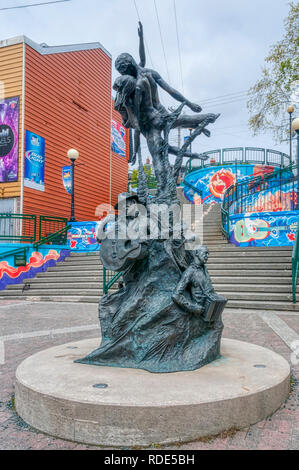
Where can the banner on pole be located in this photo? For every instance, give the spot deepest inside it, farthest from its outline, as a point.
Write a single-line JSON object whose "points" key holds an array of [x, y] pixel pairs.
{"points": [[118, 143], [67, 178]]}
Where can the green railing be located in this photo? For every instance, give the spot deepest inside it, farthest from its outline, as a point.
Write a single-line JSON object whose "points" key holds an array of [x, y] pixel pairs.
{"points": [[57, 238], [49, 225], [240, 197], [295, 263], [18, 227], [238, 155], [22, 228], [109, 278]]}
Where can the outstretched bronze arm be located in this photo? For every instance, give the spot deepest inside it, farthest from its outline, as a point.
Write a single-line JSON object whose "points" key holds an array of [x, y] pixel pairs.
{"points": [[141, 46], [174, 93]]}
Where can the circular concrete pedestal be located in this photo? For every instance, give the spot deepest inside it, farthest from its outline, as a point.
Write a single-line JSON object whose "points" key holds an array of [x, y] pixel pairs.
{"points": [[124, 407]]}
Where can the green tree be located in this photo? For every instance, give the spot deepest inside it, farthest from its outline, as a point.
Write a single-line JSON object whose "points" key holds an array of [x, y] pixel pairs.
{"points": [[134, 179], [149, 177], [279, 83]]}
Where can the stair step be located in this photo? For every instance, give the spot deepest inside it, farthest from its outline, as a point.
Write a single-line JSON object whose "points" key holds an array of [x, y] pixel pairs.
{"points": [[244, 264], [217, 271], [257, 261], [54, 291], [240, 253], [212, 243], [51, 298], [78, 262], [254, 288], [62, 279], [62, 267], [78, 254], [234, 280], [260, 305], [69, 274], [62, 285], [82, 259], [249, 249], [251, 296]]}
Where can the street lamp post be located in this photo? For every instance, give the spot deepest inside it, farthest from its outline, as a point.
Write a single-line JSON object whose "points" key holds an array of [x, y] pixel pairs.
{"points": [[290, 110], [295, 126], [73, 155]]}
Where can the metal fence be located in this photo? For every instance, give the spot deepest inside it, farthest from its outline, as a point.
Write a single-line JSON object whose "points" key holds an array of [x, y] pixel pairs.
{"points": [[239, 155], [23, 228], [17, 227], [50, 225], [109, 278]]}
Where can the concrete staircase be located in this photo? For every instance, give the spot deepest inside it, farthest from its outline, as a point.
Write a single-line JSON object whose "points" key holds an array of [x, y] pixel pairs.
{"points": [[251, 278]]}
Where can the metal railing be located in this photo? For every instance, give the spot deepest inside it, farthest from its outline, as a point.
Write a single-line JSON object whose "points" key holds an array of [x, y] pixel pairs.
{"points": [[109, 278], [275, 191], [295, 263], [17, 227], [57, 238], [22, 228], [49, 225], [239, 155]]}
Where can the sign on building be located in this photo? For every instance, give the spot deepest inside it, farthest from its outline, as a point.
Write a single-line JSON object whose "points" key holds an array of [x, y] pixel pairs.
{"points": [[9, 139], [34, 172]]}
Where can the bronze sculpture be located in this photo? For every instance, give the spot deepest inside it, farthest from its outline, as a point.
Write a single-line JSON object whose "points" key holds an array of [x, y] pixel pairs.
{"points": [[166, 316]]}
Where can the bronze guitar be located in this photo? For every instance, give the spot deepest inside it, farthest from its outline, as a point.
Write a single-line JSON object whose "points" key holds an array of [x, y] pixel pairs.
{"points": [[118, 255]]}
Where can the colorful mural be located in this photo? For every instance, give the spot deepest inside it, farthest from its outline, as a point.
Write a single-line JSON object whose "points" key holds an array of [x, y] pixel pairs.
{"points": [[267, 229], [212, 182], [39, 261], [270, 200], [82, 236]]}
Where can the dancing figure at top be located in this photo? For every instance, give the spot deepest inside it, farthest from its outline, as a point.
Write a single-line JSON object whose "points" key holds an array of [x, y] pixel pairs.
{"points": [[137, 100]]}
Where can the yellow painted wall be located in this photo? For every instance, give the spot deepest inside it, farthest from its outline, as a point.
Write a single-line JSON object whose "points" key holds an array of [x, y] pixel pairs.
{"points": [[11, 72]]}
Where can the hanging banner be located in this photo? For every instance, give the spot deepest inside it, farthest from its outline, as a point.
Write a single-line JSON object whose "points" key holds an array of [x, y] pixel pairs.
{"points": [[67, 178], [9, 139], [82, 236], [34, 171], [118, 143]]}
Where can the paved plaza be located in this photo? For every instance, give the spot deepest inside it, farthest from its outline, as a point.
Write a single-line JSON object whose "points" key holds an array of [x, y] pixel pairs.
{"points": [[29, 327]]}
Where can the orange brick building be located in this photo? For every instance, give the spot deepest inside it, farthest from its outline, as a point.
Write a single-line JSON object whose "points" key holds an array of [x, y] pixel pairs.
{"points": [[64, 96]]}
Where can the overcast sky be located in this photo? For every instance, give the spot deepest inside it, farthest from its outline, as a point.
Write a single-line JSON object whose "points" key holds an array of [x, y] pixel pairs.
{"points": [[223, 46]]}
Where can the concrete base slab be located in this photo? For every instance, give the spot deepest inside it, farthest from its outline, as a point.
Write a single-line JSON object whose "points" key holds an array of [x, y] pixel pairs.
{"points": [[125, 407]]}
